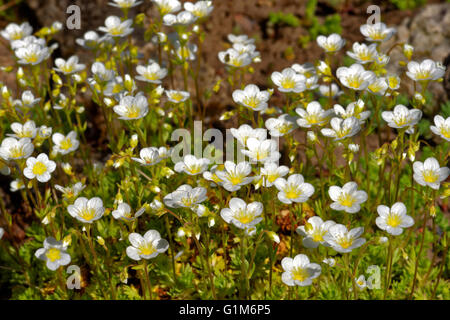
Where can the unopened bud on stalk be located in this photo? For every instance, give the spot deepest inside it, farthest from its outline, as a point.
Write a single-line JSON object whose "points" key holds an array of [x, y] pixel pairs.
{"points": [[109, 102], [408, 51], [5, 93], [274, 236], [353, 147], [311, 136], [134, 140], [433, 211]]}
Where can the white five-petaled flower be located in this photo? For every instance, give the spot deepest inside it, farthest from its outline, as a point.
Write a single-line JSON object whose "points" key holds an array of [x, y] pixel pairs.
{"points": [[192, 165], [379, 87], [123, 212], [252, 97], [185, 52], [148, 156], [332, 43], [354, 109], [289, 81], [87, 210], [426, 70], [342, 128], [361, 282], [124, 4], [402, 117], [294, 189], [242, 215], [90, 40], [70, 66], [280, 126], [167, 6], [299, 271], [314, 231], [65, 144], [186, 197], [32, 54], [13, 149], [233, 58], [326, 90], [244, 132], [235, 175], [243, 38], [27, 100], [177, 96], [147, 246], [347, 198], [355, 77], [363, 53], [183, 18], [72, 191], [342, 240], [116, 27], [200, 9], [271, 172], [26, 130], [429, 173], [54, 253], [441, 127], [393, 219], [377, 32], [39, 168], [152, 73], [132, 108], [13, 31], [262, 150], [314, 115]]}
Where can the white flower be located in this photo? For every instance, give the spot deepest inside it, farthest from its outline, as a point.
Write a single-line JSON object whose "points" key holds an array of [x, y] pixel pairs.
{"points": [[379, 87], [361, 282], [187, 197], [123, 212], [28, 100], [401, 117], [200, 9], [429, 173], [2, 232], [314, 115], [85, 210], [16, 185], [156, 206], [101, 73], [70, 66], [252, 97], [148, 156], [426, 70], [250, 49], [355, 77], [177, 96], [147, 246], [289, 81], [28, 40], [377, 32], [329, 261], [271, 172], [342, 240], [14, 31], [342, 128], [39, 168], [185, 52], [393, 219], [242, 215], [44, 132], [347, 198], [441, 127], [243, 39], [245, 132], [116, 28], [299, 271], [235, 59], [124, 4], [332, 43], [27, 130], [132, 108], [54, 253], [211, 176], [183, 18], [294, 189], [13, 149], [307, 69], [262, 151], [167, 6], [192, 165], [311, 83], [235, 175], [314, 231], [90, 40], [152, 73], [32, 54], [354, 109], [72, 191], [280, 126], [362, 53], [65, 144], [327, 90]]}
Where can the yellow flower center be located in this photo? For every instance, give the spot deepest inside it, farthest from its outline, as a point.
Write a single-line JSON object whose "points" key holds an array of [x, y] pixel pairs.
{"points": [[151, 76], [292, 192], [346, 200], [354, 81], [288, 83], [53, 254], [445, 132], [188, 202], [32, 57], [177, 96], [365, 56], [147, 249], [244, 217], [194, 169], [317, 236], [39, 168], [235, 179], [116, 31], [87, 214], [393, 220], [313, 118], [393, 82], [345, 242], [251, 102], [133, 112], [66, 144], [272, 177], [401, 121], [300, 274], [430, 176], [15, 152], [422, 75]]}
